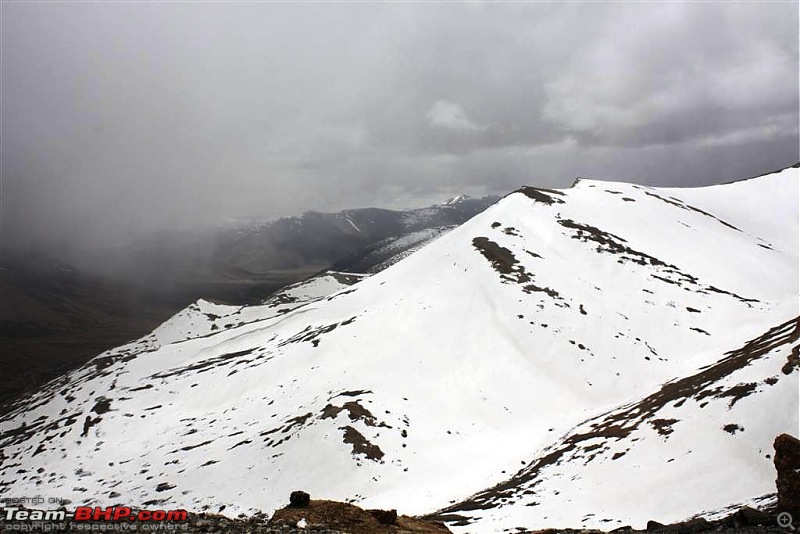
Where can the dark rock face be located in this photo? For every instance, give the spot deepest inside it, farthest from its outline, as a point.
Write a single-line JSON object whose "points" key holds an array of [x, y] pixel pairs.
{"points": [[787, 464], [748, 517], [384, 517], [299, 499], [686, 527]]}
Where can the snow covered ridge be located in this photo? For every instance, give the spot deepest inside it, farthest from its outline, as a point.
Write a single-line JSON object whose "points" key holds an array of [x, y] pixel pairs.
{"points": [[204, 318], [588, 357]]}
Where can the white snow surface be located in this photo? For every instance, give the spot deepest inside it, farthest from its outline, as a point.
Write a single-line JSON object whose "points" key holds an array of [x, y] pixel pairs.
{"points": [[528, 347]]}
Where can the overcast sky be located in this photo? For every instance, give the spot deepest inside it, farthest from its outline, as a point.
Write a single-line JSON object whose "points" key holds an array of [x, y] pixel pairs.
{"points": [[123, 118]]}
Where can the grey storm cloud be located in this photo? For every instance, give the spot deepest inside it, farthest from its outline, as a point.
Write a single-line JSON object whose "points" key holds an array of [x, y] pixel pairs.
{"points": [[120, 119]]}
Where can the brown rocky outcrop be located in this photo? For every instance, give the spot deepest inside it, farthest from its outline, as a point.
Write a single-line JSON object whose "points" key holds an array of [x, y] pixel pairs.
{"points": [[332, 516], [787, 464]]}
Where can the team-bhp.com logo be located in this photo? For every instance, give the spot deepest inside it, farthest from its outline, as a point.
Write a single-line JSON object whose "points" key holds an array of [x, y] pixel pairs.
{"points": [[94, 519]]}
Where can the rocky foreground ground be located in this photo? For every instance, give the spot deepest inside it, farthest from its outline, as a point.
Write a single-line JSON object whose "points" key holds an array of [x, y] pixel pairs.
{"points": [[331, 517]]}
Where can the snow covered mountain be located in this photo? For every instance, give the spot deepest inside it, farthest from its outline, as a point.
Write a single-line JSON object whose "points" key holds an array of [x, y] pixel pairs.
{"points": [[595, 356], [319, 239]]}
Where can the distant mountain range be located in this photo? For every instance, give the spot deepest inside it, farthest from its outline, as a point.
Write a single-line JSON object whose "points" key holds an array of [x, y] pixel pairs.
{"points": [[320, 239], [593, 357]]}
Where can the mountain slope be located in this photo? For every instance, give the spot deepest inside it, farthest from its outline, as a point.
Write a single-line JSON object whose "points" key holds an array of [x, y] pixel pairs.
{"points": [[551, 315], [649, 450]]}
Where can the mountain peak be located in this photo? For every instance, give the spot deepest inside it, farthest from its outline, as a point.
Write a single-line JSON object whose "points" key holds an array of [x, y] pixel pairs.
{"points": [[456, 200]]}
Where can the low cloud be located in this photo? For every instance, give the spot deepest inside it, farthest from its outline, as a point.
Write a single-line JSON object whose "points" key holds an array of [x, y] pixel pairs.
{"points": [[450, 116], [132, 118]]}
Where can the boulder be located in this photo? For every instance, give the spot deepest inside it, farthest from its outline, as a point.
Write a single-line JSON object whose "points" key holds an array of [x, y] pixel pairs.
{"points": [[299, 499], [787, 464]]}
